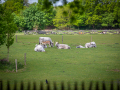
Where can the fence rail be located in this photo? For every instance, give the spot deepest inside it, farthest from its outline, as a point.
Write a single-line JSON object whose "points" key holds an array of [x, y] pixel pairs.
{"points": [[71, 32], [48, 86]]}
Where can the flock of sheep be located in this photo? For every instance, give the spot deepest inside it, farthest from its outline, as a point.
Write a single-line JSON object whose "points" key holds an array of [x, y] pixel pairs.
{"points": [[43, 41]]}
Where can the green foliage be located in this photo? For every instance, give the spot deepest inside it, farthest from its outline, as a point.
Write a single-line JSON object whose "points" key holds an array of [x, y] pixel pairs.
{"points": [[79, 13], [2, 25], [93, 20], [13, 5], [98, 9], [116, 13], [49, 15], [76, 7], [66, 15], [7, 27], [49, 11], [92, 13], [11, 28], [19, 21], [80, 20], [104, 12], [107, 20], [62, 18], [46, 4], [29, 18], [33, 17]]}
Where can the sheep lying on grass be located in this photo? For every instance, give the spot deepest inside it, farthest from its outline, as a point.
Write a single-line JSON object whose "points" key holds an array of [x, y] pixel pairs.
{"points": [[80, 46], [62, 46], [90, 44], [39, 48]]}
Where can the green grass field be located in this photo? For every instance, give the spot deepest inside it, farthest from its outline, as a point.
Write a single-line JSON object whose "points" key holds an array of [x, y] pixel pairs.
{"points": [[75, 64]]}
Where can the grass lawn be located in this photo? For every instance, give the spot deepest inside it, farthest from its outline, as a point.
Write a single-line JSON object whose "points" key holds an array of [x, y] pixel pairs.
{"points": [[75, 64]]}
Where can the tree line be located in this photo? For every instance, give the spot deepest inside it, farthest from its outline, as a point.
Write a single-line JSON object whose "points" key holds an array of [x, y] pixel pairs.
{"points": [[79, 14], [89, 14]]}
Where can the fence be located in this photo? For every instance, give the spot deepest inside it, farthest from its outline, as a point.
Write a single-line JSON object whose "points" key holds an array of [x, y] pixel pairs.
{"points": [[62, 86], [71, 32]]}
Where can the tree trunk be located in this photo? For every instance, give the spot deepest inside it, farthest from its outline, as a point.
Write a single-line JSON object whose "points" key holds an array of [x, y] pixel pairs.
{"points": [[8, 48], [8, 54], [93, 26]]}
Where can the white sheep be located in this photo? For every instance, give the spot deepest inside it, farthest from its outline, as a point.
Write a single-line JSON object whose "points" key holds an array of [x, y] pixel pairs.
{"points": [[62, 46], [39, 48], [80, 46], [90, 44]]}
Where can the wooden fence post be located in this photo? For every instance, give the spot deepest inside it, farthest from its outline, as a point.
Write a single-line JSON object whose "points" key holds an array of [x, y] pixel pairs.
{"points": [[16, 64], [16, 38], [62, 38], [25, 58], [1, 85]]}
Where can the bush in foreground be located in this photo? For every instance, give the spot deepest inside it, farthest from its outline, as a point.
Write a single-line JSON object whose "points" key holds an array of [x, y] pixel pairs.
{"points": [[8, 66]]}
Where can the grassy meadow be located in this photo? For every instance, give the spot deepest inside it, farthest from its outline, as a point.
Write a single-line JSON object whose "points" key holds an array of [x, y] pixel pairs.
{"points": [[75, 64]]}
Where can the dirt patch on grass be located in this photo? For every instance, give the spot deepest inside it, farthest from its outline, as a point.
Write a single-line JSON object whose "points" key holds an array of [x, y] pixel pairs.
{"points": [[116, 43], [68, 63], [114, 70]]}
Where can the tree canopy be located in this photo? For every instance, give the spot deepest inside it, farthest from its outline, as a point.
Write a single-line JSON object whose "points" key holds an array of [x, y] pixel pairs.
{"points": [[7, 27], [82, 14], [2, 25], [34, 17]]}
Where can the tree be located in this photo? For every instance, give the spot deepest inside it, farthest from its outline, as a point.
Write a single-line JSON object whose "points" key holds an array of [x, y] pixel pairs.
{"points": [[98, 9], [25, 3], [49, 15], [2, 25], [93, 20], [31, 17], [11, 28], [107, 20], [8, 28], [13, 5], [80, 20], [67, 15], [19, 21], [47, 7], [62, 18], [116, 14], [77, 8]]}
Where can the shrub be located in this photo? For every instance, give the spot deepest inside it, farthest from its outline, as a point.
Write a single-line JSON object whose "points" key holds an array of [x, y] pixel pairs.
{"points": [[5, 65]]}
